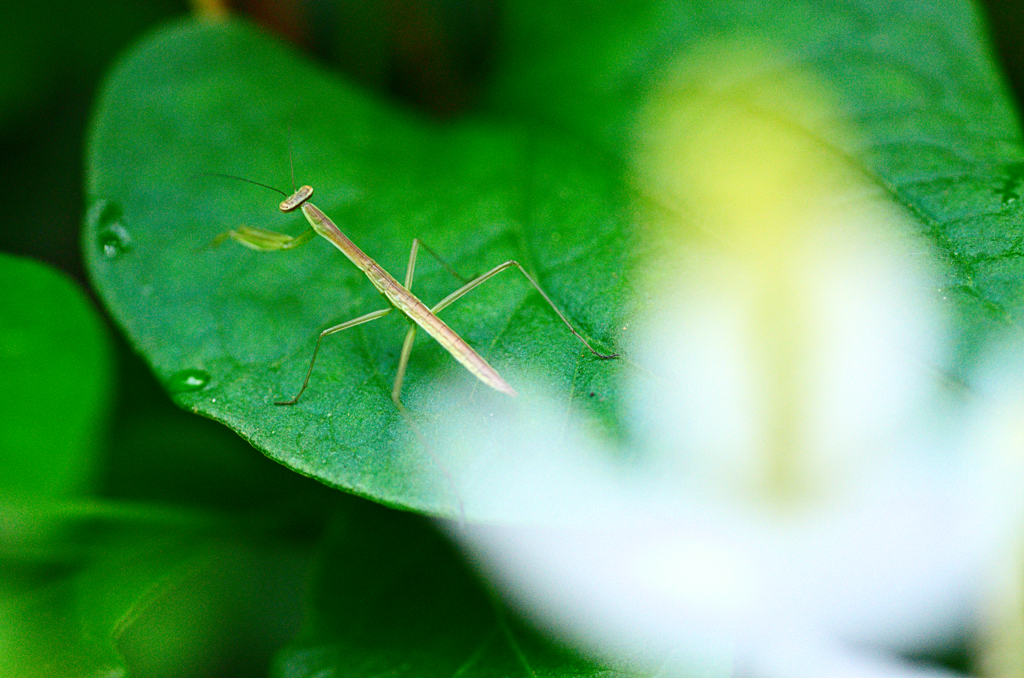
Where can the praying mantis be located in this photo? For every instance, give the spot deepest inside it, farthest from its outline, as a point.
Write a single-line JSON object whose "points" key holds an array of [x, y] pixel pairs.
{"points": [[398, 295]]}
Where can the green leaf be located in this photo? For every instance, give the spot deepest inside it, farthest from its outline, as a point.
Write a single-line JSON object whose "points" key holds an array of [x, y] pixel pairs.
{"points": [[188, 601], [55, 372], [230, 330], [935, 126], [152, 591], [546, 173], [391, 595], [161, 591]]}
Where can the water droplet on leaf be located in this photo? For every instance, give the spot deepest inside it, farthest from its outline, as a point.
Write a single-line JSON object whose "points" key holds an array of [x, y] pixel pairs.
{"points": [[185, 381], [114, 241], [106, 217]]}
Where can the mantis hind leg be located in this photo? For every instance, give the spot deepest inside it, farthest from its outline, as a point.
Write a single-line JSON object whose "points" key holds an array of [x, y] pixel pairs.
{"points": [[458, 294], [479, 280]]}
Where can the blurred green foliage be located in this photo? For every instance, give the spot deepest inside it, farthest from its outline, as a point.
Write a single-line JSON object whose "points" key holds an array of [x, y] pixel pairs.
{"points": [[137, 539], [57, 361]]}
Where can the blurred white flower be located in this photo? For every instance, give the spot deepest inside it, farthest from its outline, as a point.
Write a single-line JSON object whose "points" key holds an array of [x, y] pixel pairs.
{"points": [[800, 495]]}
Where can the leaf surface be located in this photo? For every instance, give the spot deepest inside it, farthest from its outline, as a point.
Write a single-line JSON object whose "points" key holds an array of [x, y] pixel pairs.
{"points": [[545, 172], [231, 331]]}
